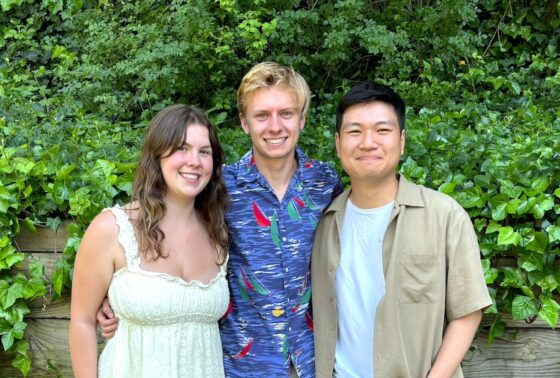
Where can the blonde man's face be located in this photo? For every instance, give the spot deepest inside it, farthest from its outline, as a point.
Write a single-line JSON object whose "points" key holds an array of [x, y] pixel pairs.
{"points": [[273, 120]]}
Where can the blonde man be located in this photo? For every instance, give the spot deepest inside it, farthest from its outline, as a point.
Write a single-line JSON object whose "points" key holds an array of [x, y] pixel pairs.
{"points": [[277, 195]]}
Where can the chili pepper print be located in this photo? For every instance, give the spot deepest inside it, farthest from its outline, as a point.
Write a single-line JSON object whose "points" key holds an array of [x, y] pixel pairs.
{"points": [[261, 219], [293, 212], [309, 321], [229, 309], [252, 283], [245, 349], [299, 201], [274, 231], [309, 201]]}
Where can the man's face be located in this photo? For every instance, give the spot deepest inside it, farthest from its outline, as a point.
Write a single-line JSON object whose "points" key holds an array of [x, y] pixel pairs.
{"points": [[369, 143], [273, 120]]}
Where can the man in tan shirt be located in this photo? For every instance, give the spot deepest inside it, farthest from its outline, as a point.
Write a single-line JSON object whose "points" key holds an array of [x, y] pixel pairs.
{"points": [[397, 283]]}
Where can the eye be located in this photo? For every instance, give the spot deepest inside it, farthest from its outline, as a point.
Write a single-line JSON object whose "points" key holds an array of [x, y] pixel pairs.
{"points": [[286, 114], [206, 152], [261, 116], [182, 148]]}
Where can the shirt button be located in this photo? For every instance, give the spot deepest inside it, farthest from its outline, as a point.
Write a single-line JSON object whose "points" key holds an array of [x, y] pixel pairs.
{"points": [[284, 238], [331, 299]]}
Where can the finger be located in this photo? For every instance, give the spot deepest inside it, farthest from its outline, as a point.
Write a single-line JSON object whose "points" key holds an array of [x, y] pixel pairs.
{"points": [[108, 335], [107, 310]]}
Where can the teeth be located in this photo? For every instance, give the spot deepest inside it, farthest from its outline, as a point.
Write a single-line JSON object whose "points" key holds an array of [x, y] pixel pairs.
{"points": [[275, 141], [189, 175]]}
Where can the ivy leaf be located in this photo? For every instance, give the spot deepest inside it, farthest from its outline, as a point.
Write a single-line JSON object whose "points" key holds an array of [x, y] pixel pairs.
{"points": [[531, 262], [512, 277], [538, 243], [16, 332], [553, 233], [104, 167], [36, 269], [540, 208], [79, 201], [14, 293], [22, 362], [499, 213], [493, 227], [548, 283], [23, 165], [523, 307], [538, 186], [497, 329], [16, 312], [61, 272], [549, 312], [507, 236], [490, 274], [33, 288], [14, 258]]}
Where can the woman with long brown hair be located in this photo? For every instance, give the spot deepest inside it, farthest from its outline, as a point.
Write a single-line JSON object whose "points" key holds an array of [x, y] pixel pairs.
{"points": [[160, 260]]}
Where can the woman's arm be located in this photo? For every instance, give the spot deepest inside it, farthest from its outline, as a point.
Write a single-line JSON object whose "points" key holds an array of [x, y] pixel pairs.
{"points": [[93, 271]]}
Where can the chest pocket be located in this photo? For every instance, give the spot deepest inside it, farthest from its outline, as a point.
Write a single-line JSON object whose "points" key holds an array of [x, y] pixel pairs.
{"points": [[420, 277]]}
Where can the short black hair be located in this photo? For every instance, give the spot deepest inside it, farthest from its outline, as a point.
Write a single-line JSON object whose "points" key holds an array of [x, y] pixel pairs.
{"points": [[368, 91]]}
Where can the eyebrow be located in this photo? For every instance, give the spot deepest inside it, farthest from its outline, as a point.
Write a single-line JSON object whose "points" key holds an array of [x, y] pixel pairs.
{"points": [[382, 122], [188, 145]]}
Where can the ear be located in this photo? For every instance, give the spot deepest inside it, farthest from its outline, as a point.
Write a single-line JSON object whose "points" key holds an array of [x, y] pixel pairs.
{"points": [[302, 122], [403, 140], [244, 124], [337, 143]]}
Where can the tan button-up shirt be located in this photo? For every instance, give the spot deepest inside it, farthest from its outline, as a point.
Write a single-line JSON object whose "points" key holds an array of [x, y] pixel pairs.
{"points": [[433, 275]]}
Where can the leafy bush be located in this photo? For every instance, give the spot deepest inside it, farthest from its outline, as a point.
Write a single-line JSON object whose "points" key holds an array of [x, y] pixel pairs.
{"points": [[80, 78]]}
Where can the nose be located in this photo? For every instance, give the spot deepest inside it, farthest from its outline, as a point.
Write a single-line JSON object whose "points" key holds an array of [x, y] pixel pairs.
{"points": [[369, 141], [192, 158], [275, 122]]}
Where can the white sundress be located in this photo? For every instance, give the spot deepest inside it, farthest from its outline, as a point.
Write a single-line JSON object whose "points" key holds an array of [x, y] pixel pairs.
{"points": [[168, 327]]}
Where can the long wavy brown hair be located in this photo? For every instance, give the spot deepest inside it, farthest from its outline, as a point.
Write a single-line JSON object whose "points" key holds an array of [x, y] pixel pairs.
{"points": [[165, 135]]}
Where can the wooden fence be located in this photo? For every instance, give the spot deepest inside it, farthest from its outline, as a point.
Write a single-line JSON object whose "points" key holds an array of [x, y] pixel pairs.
{"points": [[535, 352]]}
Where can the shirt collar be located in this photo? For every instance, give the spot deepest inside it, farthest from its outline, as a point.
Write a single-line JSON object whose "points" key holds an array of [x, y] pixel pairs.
{"points": [[408, 194], [247, 171]]}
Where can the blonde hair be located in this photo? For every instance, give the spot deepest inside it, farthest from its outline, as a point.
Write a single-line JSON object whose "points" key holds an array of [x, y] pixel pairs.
{"points": [[270, 74]]}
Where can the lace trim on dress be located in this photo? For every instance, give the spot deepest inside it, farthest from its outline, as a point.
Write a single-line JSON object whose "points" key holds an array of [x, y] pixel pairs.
{"points": [[126, 237]]}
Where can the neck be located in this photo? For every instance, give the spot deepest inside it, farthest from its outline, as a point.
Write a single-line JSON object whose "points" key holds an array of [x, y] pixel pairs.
{"points": [[278, 173], [179, 210], [368, 195]]}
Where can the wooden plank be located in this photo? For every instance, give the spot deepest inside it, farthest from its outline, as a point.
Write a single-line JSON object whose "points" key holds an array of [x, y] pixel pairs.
{"points": [[534, 353], [49, 350], [510, 323], [48, 343], [48, 259], [43, 240], [44, 308]]}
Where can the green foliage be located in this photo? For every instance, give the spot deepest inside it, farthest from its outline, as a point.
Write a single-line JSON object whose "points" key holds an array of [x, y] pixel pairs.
{"points": [[80, 78]]}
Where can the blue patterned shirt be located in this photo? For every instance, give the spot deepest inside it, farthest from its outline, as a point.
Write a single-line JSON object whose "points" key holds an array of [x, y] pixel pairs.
{"points": [[269, 321]]}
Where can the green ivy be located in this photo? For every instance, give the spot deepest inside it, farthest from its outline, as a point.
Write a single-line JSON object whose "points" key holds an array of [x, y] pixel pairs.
{"points": [[80, 78]]}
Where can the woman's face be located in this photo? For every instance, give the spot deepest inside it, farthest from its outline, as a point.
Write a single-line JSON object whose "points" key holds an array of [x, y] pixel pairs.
{"points": [[188, 170]]}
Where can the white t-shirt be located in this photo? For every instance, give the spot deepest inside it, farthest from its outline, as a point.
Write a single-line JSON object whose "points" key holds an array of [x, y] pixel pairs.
{"points": [[360, 284]]}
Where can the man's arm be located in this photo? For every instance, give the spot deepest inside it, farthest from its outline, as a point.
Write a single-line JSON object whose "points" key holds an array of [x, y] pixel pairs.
{"points": [[107, 320], [456, 341]]}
